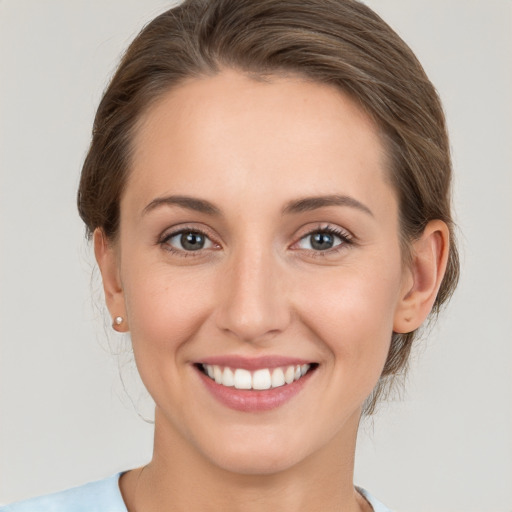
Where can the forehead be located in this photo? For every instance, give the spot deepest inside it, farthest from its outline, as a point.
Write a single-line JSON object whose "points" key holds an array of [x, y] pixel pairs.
{"points": [[239, 137]]}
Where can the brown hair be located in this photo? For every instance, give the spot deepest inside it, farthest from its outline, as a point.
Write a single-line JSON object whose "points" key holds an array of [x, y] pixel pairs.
{"points": [[338, 42]]}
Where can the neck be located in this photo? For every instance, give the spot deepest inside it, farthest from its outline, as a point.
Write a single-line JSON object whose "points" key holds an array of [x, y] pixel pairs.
{"points": [[180, 479]]}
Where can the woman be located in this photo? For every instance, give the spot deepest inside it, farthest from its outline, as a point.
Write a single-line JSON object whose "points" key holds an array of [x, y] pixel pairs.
{"points": [[268, 193]]}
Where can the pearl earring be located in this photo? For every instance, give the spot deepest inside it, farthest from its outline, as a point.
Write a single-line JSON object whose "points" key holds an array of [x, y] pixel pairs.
{"points": [[118, 320]]}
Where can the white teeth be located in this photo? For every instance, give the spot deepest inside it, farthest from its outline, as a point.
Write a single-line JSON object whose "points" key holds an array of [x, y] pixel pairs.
{"points": [[278, 378], [228, 379], [261, 379], [217, 374], [289, 374], [264, 378], [243, 379]]}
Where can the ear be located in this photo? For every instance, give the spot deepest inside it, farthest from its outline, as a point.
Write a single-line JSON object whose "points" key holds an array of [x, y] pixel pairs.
{"points": [[108, 263], [423, 278]]}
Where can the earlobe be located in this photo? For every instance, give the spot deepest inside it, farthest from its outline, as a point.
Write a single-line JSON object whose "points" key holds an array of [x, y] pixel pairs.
{"points": [[107, 259], [427, 267]]}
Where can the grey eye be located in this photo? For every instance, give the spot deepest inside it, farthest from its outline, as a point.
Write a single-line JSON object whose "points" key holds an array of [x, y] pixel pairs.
{"points": [[320, 241], [189, 241]]}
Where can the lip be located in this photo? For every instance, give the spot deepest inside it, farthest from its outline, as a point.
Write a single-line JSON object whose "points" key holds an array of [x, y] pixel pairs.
{"points": [[253, 401], [253, 363]]}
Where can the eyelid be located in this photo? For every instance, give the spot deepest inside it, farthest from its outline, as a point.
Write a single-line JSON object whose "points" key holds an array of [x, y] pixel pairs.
{"points": [[179, 234], [346, 237], [187, 228]]}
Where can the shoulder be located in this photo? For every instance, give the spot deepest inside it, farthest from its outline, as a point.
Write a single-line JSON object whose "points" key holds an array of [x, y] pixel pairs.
{"points": [[100, 496], [376, 504]]}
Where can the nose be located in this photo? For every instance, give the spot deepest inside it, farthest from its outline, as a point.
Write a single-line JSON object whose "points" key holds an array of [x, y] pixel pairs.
{"points": [[253, 305]]}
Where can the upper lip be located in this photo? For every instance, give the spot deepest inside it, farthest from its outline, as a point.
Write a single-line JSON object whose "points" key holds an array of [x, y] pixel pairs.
{"points": [[253, 363]]}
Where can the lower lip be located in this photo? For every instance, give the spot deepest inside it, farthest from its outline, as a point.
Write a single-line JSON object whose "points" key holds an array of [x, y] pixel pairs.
{"points": [[248, 400]]}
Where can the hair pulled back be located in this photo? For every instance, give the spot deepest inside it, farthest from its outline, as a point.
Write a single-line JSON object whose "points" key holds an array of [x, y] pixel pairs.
{"points": [[342, 43]]}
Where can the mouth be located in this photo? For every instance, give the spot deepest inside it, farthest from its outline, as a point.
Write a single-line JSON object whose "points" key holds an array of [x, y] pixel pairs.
{"points": [[257, 385], [260, 379]]}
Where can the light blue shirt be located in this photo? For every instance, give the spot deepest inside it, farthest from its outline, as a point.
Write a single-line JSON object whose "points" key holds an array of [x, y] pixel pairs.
{"points": [[104, 496]]}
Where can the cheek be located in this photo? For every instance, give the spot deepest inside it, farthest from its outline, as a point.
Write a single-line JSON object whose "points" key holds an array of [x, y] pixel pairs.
{"points": [[352, 313], [165, 308]]}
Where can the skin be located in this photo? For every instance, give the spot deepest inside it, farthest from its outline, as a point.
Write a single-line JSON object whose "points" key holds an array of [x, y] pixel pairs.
{"points": [[250, 148]]}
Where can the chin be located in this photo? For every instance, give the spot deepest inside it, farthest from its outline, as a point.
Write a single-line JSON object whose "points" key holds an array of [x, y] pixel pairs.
{"points": [[255, 460], [262, 450]]}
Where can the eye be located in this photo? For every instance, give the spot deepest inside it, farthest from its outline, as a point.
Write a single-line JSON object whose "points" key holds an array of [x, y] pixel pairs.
{"points": [[323, 240], [188, 240]]}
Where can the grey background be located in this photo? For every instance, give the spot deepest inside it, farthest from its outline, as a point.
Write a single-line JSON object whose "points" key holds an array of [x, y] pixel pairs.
{"points": [[64, 416]]}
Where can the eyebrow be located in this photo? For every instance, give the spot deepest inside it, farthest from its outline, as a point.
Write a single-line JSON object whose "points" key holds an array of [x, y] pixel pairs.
{"points": [[312, 203], [298, 206], [190, 203]]}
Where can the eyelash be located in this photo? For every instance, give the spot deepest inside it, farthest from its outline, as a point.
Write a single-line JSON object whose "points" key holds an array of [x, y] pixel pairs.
{"points": [[345, 238], [181, 252]]}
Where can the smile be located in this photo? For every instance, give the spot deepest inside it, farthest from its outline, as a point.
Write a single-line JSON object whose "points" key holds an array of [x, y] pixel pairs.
{"points": [[254, 385], [261, 379]]}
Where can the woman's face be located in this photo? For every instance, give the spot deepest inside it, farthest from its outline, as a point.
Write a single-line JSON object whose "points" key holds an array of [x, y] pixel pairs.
{"points": [[258, 233]]}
